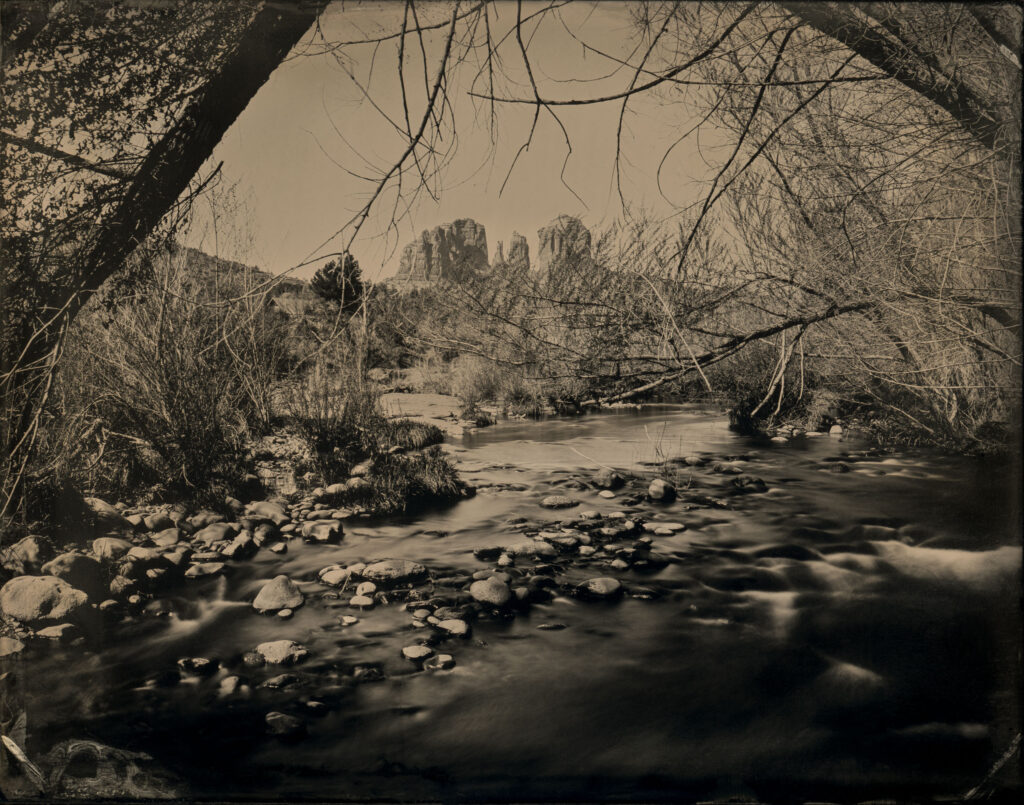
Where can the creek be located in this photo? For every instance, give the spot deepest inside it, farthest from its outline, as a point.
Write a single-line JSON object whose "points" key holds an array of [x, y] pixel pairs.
{"points": [[842, 635]]}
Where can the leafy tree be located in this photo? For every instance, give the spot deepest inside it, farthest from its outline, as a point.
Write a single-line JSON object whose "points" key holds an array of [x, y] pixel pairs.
{"points": [[340, 281]]}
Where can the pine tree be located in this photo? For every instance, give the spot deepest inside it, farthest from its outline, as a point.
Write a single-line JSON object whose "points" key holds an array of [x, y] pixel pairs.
{"points": [[340, 281]]}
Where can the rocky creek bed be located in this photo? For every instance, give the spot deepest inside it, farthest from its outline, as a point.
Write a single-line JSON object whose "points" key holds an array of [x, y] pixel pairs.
{"points": [[636, 605]]}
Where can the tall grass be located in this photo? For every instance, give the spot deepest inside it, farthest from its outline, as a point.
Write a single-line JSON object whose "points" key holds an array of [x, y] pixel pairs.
{"points": [[162, 386]]}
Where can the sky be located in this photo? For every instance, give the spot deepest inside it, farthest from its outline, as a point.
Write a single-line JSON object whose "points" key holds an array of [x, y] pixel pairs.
{"points": [[302, 157]]}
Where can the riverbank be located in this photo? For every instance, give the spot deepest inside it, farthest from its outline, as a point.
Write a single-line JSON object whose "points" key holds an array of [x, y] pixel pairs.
{"points": [[655, 619]]}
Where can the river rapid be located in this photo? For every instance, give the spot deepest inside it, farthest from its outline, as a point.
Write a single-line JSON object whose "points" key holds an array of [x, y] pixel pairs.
{"points": [[848, 630]]}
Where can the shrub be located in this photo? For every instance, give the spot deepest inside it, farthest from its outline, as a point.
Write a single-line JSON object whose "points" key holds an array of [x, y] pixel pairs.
{"points": [[403, 483], [162, 386], [339, 416]]}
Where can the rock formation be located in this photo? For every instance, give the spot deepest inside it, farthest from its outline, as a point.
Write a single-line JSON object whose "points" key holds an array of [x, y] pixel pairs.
{"points": [[564, 242], [451, 252], [519, 253], [518, 260]]}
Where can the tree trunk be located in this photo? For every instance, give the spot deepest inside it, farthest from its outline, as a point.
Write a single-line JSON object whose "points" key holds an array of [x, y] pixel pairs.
{"points": [[852, 25]]}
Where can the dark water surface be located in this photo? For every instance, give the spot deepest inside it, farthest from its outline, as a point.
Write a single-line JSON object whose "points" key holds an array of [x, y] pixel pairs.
{"points": [[841, 635]]}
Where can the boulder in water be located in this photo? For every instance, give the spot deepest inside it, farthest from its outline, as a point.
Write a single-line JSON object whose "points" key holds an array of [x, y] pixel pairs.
{"points": [[280, 593], [335, 577], [609, 479], [282, 652], [322, 531], [456, 627], [417, 653], [662, 490], [440, 662], [202, 570], [603, 587], [558, 502], [490, 591], [394, 571], [285, 726]]}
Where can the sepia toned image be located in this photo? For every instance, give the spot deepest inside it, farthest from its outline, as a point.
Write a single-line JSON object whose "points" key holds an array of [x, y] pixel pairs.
{"points": [[496, 401]]}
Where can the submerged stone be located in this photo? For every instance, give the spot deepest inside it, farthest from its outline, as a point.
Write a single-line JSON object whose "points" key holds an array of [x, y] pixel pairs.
{"points": [[602, 587], [558, 502], [490, 591], [282, 652], [417, 653], [394, 571], [662, 490], [285, 726]]}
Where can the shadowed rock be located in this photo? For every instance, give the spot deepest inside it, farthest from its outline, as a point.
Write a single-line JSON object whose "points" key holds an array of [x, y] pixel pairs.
{"points": [[449, 252]]}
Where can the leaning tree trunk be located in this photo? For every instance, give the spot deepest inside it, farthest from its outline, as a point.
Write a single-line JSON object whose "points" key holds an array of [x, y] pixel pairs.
{"points": [[34, 342]]}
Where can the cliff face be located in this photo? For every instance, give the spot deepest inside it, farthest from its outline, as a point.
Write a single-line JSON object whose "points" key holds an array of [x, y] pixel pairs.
{"points": [[452, 252], [563, 242], [518, 260], [519, 253], [457, 252]]}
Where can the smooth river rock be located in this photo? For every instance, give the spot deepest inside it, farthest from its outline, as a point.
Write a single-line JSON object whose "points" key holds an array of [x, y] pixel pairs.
{"points": [[491, 591], [661, 490], [394, 571], [280, 593], [110, 548], [205, 569], [440, 662], [27, 555], [530, 547], [79, 571], [44, 600], [282, 652], [105, 515], [558, 502], [215, 532], [265, 510], [157, 521], [456, 627], [335, 577], [602, 587]]}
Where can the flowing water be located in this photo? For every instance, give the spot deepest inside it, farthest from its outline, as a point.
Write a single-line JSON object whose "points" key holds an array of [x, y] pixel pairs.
{"points": [[839, 635]]}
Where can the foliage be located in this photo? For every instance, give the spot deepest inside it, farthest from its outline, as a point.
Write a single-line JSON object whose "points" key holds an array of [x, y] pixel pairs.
{"points": [[403, 483], [161, 388], [338, 414], [340, 281]]}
